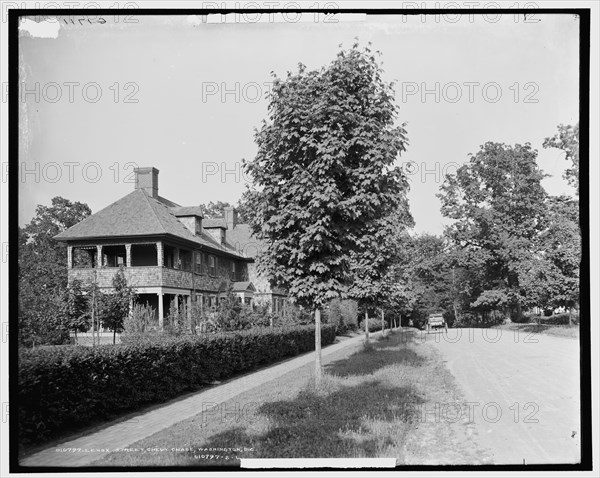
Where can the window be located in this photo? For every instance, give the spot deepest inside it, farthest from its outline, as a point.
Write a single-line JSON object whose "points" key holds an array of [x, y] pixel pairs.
{"points": [[212, 266], [144, 255], [232, 274], [84, 257], [185, 257], [198, 267], [113, 256], [169, 256]]}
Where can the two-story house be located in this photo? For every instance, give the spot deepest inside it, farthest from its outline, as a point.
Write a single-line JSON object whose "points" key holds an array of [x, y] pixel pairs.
{"points": [[241, 238], [170, 254]]}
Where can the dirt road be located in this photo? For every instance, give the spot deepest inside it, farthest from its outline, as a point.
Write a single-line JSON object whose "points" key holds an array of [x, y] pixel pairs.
{"points": [[522, 389]]}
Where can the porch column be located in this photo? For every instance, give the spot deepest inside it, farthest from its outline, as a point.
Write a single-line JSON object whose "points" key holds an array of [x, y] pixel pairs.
{"points": [[99, 262], [128, 255], [189, 311], [69, 257], [161, 313], [159, 254]]}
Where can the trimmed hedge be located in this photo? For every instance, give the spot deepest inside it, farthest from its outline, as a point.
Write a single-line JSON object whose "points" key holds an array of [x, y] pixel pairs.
{"points": [[65, 388]]}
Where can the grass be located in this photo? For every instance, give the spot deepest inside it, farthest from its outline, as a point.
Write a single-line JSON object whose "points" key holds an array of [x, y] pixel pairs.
{"points": [[369, 404]]}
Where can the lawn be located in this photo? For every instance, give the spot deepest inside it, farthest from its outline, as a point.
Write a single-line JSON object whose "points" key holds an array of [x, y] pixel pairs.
{"points": [[382, 401]]}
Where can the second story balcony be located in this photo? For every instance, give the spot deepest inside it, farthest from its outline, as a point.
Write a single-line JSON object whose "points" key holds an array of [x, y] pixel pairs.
{"points": [[151, 265]]}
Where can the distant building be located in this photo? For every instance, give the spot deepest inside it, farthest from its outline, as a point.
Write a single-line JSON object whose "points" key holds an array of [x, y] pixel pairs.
{"points": [[240, 237], [171, 254]]}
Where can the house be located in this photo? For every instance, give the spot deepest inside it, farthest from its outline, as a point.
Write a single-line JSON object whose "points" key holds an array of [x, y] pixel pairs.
{"points": [[241, 238], [170, 254]]}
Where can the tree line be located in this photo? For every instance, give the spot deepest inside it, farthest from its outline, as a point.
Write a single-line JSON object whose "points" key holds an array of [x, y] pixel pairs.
{"points": [[329, 201]]}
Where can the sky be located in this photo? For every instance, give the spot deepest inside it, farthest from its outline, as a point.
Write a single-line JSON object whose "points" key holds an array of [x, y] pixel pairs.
{"points": [[185, 97]]}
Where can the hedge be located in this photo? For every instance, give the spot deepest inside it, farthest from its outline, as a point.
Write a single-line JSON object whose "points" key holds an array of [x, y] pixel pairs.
{"points": [[66, 388], [374, 325]]}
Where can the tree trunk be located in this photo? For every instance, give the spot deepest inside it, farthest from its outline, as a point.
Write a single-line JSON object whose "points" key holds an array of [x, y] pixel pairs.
{"points": [[570, 310], [318, 366], [93, 317], [114, 336], [382, 323], [366, 326], [519, 312], [454, 300]]}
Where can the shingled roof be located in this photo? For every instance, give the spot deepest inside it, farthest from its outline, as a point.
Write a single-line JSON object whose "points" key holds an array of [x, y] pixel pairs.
{"points": [[217, 222], [187, 211], [240, 237], [139, 214]]}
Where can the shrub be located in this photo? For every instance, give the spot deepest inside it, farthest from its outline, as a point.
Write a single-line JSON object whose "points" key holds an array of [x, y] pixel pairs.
{"points": [[293, 314], [142, 318], [480, 320], [374, 325], [68, 387], [343, 313]]}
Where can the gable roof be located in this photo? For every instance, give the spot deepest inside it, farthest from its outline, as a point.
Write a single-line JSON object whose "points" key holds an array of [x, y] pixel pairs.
{"points": [[243, 287], [139, 214]]}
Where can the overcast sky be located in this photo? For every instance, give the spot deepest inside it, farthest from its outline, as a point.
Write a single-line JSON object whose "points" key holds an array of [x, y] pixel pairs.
{"points": [[185, 96]]}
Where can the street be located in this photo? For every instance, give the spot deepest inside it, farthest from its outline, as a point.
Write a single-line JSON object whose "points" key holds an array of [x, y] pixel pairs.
{"points": [[523, 391]]}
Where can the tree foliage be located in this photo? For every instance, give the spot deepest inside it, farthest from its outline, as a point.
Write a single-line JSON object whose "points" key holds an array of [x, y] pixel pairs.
{"points": [[116, 305], [42, 263], [74, 307], [214, 210], [325, 178], [567, 140], [499, 209]]}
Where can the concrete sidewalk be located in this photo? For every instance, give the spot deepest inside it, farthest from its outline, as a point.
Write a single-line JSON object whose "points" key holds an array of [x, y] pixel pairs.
{"points": [[86, 449]]}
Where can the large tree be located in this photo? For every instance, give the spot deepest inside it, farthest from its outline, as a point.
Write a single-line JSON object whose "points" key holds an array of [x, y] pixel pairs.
{"points": [[561, 246], [499, 208], [324, 175], [567, 140], [43, 271]]}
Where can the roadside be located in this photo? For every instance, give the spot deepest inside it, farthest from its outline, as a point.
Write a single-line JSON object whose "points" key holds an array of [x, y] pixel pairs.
{"points": [[372, 403], [85, 447]]}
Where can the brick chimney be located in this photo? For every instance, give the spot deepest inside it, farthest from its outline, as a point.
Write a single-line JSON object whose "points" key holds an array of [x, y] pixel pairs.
{"points": [[147, 179], [230, 216]]}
